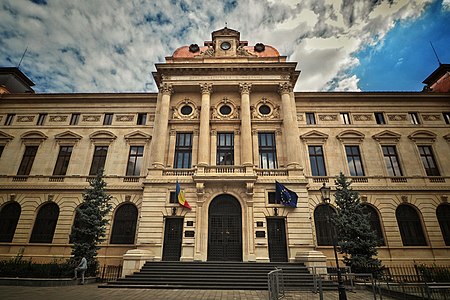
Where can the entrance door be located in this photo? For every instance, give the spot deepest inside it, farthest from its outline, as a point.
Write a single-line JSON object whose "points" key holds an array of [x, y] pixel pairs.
{"points": [[173, 234], [225, 229], [276, 232]]}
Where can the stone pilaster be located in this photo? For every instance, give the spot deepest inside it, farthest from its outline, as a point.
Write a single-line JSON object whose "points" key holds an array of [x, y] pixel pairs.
{"points": [[204, 139], [291, 137], [246, 126], [160, 138]]}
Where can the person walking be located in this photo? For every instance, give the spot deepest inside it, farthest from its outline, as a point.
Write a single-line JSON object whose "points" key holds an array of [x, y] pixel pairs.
{"points": [[82, 267]]}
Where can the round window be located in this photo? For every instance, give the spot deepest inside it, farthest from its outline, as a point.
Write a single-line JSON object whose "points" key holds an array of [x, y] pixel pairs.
{"points": [[186, 110], [225, 46], [264, 109], [225, 110]]}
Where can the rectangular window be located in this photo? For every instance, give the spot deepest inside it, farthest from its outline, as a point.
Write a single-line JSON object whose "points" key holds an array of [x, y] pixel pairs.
{"points": [[310, 118], [225, 148], [173, 197], [345, 118], [9, 119], [429, 163], [98, 161], [379, 117], [108, 119], [63, 160], [272, 197], [414, 118], [446, 116], [354, 161], [317, 161], [142, 119], [41, 119], [27, 160], [183, 151], [74, 119], [267, 150], [135, 160], [391, 160]]}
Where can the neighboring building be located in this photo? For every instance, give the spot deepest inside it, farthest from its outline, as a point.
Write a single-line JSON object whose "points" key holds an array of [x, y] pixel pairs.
{"points": [[226, 125]]}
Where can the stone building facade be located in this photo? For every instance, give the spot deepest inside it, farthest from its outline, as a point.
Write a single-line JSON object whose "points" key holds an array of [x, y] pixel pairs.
{"points": [[225, 125]]}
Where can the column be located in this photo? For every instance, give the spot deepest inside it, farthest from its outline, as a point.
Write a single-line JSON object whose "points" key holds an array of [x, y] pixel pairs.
{"points": [[204, 140], [291, 137], [246, 126], [160, 138]]}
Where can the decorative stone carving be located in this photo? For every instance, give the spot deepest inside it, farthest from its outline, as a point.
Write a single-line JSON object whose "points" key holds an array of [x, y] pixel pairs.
{"points": [[350, 136], [423, 136], [102, 137], [397, 117], [363, 117], [431, 117], [300, 117], [206, 88], [166, 88], [404, 198], [57, 119], [284, 88], [24, 119], [328, 118], [237, 132], [124, 118], [33, 137], [387, 137], [172, 132], [208, 52], [241, 51], [217, 115], [273, 114], [178, 114], [213, 132], [91, 118], [151, 118], [245, 87], [444, 198], [68, 138]]}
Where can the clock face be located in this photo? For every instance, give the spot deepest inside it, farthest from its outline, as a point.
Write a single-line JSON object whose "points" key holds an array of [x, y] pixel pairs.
{"points": [[225, 45]]}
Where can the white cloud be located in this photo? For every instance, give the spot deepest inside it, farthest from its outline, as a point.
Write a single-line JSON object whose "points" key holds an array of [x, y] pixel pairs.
{"points": [[348, 84], [99, 46]]}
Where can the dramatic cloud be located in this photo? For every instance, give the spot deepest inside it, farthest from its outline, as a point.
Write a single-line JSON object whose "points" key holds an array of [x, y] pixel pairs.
{"points": [[100, 46]]}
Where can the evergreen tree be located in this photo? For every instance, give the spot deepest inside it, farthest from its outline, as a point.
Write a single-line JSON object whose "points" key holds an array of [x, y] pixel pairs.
{"points": [[355, 236], [90, 226]]}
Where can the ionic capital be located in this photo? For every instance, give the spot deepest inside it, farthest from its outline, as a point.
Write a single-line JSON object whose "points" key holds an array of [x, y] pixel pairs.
{"points": [[206, 88], [245, 88], [285, 88], [166, 88]]}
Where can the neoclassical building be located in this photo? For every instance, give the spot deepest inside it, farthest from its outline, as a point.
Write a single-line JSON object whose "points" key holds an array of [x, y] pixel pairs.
{"points": [[225, 124]]}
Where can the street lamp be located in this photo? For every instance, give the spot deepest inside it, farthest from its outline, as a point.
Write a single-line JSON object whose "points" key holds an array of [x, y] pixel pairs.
{"points": [[325, 192]]}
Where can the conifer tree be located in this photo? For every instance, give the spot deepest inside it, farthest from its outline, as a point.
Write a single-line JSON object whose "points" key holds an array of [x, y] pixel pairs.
{"points": [[355, 236], [90, 226]]}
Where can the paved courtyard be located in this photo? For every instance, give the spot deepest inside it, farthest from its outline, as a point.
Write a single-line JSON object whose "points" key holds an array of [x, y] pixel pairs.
{"points": [[92, 292]]}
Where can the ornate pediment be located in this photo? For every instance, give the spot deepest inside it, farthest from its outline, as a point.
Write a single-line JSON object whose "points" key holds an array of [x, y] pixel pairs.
{"points": [[102, 137], [137, 138], [33, 137], [350, 136], [422, 136], [314, 136], [387, 136], [5, 138], [68, 138]]}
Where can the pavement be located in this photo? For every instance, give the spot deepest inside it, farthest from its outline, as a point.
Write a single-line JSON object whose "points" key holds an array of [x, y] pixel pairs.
{"points": [[92, 292]]}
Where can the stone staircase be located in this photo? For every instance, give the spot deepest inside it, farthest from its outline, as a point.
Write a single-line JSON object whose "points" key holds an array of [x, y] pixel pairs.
{"points": [[213, 275]]}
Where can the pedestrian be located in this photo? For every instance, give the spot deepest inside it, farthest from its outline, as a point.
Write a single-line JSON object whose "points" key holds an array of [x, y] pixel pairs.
{"points": [[82, 267]]}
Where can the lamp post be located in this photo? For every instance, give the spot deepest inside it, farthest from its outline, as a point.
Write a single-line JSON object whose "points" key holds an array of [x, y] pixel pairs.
{"points": [[325, 191]]}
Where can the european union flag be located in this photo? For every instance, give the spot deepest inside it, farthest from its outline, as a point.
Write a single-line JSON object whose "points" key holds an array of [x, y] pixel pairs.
{"points": [[285, 196]]}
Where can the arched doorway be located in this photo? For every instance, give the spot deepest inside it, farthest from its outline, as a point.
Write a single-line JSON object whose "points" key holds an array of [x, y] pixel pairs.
{"points": [[225, 229]]}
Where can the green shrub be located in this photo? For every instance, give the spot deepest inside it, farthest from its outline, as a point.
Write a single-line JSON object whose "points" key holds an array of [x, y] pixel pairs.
{"points": [[434, 273], [18, 267]]}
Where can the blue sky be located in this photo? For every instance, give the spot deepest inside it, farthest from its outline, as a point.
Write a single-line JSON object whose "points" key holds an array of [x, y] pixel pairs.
{"points": [[112, 45]]}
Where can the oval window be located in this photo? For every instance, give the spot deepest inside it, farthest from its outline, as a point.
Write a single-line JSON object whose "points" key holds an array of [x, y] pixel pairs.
{"points": [[186, 110], [264, 109], [225, 110]]}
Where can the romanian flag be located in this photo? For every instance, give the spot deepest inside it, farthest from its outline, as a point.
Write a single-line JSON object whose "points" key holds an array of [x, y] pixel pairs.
{"points": [[181, 198]]}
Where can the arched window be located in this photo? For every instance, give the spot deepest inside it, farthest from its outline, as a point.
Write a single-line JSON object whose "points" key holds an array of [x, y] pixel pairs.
{"points": [[324, 228], [410, 226], [9, 216], [443, 216], [124, 227], [76, 223], [45, 224], [375, 223]]}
